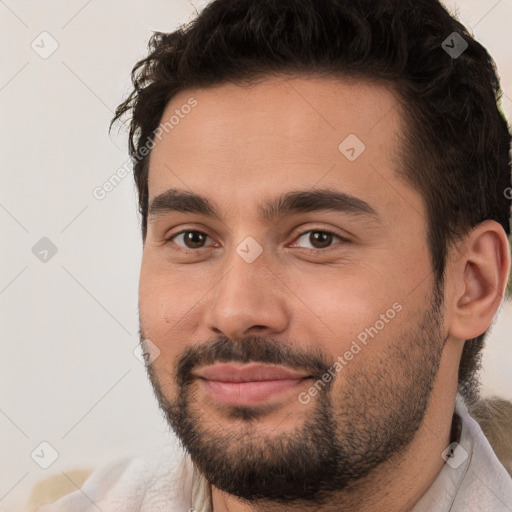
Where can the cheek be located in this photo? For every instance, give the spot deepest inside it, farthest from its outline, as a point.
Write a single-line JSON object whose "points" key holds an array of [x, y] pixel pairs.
{"points": [[359, 307], [161, 290], [168, 305], [158, 299], [341, 313], [155, 304], [152, 296]]}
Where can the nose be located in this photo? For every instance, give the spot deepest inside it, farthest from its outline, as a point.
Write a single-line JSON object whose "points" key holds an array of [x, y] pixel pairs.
{"points": [[248, 297]]}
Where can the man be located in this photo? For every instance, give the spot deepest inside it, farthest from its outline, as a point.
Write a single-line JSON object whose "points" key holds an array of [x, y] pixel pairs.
{"points": [[323, 187]]}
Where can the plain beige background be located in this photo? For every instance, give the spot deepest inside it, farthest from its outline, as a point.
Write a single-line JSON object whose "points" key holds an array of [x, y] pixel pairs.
{"points": [[68, 375]]}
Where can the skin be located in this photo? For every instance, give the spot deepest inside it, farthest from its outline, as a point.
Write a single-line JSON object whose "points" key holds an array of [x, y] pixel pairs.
{"points": [[241, 146]]}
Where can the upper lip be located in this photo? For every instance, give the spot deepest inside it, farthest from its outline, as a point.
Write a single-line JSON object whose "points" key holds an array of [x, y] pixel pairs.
{"points": [[247, 373]]}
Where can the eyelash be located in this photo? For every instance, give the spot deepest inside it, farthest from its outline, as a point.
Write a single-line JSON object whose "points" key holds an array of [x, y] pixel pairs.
{"points": [[300, 235]]}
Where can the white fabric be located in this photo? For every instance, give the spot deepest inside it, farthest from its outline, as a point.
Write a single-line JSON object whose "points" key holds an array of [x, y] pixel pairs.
{"points": [[169, 482], [157, 482], [479, 484]]}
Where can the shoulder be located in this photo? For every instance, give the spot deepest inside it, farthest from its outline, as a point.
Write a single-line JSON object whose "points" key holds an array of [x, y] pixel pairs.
{"points": [[472, 479], [486, 484], [144, 483]]}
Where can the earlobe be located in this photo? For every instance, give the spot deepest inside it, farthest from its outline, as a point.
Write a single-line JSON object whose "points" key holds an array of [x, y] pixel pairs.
{"points": [[481, 274]]}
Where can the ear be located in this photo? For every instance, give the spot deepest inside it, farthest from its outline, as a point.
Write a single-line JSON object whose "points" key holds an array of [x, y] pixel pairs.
{"points": [[479, 278]]}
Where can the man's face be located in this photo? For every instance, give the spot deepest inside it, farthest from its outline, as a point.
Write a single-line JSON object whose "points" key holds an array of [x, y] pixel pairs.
{"points": [[301, 290]]}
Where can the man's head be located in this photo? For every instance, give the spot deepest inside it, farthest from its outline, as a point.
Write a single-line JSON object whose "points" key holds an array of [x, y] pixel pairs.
{"points": [[262, 124]]}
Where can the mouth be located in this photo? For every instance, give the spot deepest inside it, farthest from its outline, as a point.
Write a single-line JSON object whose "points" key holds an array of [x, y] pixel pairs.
{"points": [[247, 385]]}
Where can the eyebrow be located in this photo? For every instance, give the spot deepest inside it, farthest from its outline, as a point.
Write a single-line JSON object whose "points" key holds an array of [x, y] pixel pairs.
{"points": [[299, 201]]}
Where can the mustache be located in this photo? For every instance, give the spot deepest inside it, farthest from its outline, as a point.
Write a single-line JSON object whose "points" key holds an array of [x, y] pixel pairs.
{"points": [[251, 349]]}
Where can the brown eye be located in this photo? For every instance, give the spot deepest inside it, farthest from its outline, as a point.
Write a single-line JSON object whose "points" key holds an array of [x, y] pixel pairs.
{"points": [[191, 239], [319, 239]]}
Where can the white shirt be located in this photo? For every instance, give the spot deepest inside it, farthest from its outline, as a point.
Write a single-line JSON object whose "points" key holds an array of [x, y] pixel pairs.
{"points": [[472, 480]]}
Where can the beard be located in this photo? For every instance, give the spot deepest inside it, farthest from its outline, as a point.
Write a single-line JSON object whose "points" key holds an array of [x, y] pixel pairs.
{"points": [[350, 430]]}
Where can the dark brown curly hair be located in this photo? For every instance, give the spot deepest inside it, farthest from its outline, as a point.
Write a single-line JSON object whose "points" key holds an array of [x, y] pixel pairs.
{"points": [[455, 149]]}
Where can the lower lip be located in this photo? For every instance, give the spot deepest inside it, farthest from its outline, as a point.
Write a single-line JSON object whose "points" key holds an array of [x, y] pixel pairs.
{"points": [[249, 393]]}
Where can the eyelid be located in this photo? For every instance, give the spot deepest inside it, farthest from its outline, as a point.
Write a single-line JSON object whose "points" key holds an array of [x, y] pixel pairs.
{"points": [[169, 238], [299, 234], [326, 231]]}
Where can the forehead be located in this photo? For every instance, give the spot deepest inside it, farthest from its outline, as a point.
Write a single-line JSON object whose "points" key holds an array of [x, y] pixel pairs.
{"points": [[280, 134]]}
